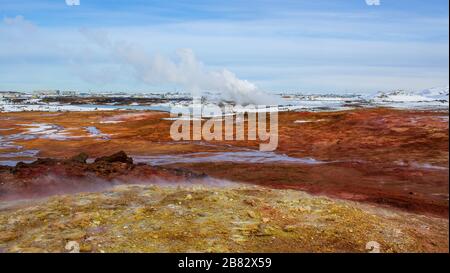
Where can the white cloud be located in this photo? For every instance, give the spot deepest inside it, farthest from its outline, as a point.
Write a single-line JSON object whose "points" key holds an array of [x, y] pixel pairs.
{"points": [[306, 52]]}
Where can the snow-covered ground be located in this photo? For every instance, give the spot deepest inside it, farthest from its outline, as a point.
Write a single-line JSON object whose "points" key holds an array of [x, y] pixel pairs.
{"points": [[433, 98], [439, 94], [7, 107]]}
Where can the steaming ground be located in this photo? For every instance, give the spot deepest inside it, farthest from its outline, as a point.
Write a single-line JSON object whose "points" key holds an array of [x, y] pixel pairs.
{"points": [[396, 161], [185, 71], [211, 218], [113, 205], [52, 184]]}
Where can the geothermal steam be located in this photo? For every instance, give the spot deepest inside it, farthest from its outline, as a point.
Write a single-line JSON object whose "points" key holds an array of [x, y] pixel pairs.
{"points": [[186, 71]]}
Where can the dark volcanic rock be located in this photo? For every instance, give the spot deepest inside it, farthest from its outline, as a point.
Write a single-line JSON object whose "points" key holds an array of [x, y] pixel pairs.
{"points": [[47, 176], [44, 161], [80, 158], [117, 157]]}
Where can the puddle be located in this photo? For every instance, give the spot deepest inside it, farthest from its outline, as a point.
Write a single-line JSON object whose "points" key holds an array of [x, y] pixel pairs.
{"points": [[236, 157], [12, 158], [35, 131], [416, 165], [309, 121], [26, 153], [5, 143], [12, 163], [127, 117], [111, 121], [95, 132], [183, 118], [46, 131], [427, 166]]}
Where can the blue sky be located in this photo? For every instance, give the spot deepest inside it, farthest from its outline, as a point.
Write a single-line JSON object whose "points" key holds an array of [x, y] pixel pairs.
{"points": [[304, 45]]}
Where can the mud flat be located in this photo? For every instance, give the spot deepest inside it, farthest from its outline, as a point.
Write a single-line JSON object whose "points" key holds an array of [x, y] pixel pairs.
{"points": [[387, 157]]}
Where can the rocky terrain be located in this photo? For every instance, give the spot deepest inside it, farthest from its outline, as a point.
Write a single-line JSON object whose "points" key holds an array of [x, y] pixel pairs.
{"points": [[396, 158], [204, 218], [47, 176], [376, 175], [97, 207]]}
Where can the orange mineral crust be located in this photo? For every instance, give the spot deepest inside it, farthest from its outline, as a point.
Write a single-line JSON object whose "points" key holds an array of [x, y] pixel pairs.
{"points": [[387, 157]]}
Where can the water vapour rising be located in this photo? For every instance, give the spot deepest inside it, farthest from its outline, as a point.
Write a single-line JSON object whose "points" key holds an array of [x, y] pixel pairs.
{"points": [[186, 71]]}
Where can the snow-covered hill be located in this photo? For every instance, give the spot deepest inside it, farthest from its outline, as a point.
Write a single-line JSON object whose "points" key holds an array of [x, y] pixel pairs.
{"points": [[438, 94]]}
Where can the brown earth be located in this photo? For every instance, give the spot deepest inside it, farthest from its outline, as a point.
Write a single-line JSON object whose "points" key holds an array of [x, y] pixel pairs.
{"points": [[388, 157]]}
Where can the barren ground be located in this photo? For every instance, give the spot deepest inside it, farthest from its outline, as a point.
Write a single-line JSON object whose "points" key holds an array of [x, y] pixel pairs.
{"points": [[394, 163]]}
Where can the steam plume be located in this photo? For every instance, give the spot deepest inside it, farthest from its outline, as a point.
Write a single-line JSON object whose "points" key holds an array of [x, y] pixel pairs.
{"points": [[186, 71]]}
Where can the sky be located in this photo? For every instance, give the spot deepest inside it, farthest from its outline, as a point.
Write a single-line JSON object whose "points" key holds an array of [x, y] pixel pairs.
{"points": [[311, 46]]}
